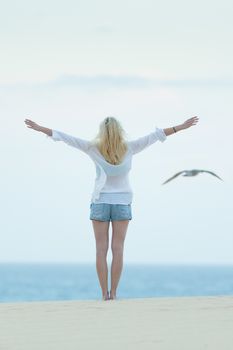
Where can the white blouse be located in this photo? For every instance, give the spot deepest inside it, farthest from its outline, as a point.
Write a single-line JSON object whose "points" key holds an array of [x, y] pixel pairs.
{"points": [[112, 181]]}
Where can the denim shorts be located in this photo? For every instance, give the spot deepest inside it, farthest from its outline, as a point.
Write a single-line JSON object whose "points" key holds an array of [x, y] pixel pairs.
{"points": [[110, 212]]}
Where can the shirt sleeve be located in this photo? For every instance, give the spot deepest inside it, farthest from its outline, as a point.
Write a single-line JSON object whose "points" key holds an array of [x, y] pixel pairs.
{"points": [[82, 145], [143, 142]]}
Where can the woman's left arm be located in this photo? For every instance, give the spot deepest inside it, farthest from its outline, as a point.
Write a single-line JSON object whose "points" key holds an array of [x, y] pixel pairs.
{"points": [[74, 141], [189, 122]]}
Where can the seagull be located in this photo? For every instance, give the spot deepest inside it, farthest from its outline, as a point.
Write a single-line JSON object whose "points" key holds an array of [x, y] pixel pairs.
{"points": [[192, 172]]}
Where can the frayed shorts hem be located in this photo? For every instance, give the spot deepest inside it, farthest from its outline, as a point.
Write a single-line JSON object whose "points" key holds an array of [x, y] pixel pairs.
{"points": [[110, 212]]}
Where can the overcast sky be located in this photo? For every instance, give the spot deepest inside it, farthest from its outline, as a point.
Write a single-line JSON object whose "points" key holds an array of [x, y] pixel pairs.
{"points": [[69, 64]]}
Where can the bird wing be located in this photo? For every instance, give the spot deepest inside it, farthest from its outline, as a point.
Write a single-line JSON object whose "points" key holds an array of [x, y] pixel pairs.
{"points": [[210, 172], [171, 178]]}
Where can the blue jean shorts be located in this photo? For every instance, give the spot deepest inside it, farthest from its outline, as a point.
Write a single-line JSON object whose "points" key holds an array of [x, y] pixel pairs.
{"points": [[110, 212]]}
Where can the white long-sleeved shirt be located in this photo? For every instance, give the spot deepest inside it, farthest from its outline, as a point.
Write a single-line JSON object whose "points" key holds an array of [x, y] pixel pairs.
{"points": [[112, 183]]}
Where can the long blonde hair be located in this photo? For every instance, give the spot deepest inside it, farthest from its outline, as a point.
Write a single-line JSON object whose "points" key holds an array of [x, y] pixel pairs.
{"points": [[111, 141]]}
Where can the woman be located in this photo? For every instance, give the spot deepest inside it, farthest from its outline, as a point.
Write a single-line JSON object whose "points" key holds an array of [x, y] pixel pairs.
{"points": [[112, 196]]}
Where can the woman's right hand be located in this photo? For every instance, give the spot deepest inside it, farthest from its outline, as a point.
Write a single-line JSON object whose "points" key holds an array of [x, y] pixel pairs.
{"points": [[189, 122], [32, 125]]}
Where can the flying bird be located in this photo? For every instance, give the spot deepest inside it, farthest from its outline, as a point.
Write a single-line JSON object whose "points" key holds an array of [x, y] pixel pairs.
{"points": [[192, 172]]}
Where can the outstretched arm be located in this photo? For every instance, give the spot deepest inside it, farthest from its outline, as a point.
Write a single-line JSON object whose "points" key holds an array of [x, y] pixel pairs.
{"points": [[32, 125], [57, 135], [189, 122], [143, 142], [159, 134]]}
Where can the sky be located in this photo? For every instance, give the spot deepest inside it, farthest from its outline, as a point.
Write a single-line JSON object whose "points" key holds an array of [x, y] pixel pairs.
{"points": [[67, 65]]}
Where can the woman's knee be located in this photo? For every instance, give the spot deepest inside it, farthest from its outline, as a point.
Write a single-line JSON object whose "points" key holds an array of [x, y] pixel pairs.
{"points": [[101, 249], [117, 248]]}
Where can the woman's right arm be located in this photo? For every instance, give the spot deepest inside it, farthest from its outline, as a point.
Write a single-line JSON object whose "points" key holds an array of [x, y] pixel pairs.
{"points": [[37, 127], [189, 122]]}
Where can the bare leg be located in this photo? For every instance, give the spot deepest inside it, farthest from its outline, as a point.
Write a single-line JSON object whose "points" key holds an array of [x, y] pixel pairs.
{"points": [[102, 240], [119, 229]]}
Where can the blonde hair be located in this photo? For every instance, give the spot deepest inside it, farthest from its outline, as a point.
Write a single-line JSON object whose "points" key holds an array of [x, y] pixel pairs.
{"points": [[110, 140]]}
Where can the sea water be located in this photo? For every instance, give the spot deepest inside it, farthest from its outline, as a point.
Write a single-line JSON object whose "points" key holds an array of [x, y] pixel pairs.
{"points": [[43, 282]]}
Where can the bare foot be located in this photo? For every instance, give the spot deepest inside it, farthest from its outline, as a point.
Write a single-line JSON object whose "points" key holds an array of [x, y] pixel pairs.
{"points": [[106, 297], [112, 296]]}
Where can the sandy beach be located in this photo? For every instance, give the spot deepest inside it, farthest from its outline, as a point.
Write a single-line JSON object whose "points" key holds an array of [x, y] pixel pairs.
{"points": [[191, 323]]}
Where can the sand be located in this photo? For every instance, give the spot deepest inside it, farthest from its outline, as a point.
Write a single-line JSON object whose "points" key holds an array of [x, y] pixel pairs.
{"points": [[181, 323]]}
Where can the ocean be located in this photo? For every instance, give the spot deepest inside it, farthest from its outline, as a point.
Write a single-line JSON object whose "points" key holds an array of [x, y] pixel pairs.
{"points": [[44, 282]]}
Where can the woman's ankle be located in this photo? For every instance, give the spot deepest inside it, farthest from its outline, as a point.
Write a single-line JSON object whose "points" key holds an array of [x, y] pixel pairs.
{"points": [[112, 294], [105, 296]]}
